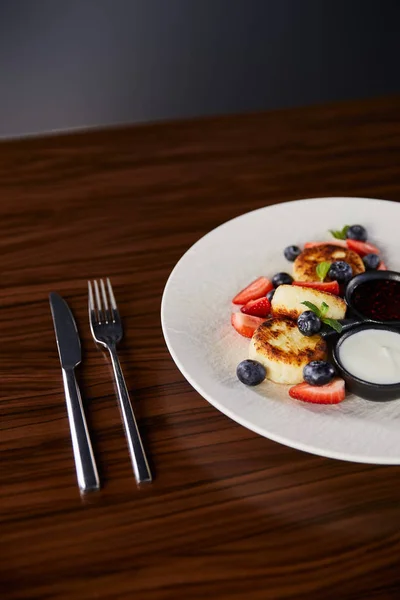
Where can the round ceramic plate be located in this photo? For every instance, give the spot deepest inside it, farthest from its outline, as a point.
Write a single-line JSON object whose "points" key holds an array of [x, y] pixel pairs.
{"points": [[196, 309]]}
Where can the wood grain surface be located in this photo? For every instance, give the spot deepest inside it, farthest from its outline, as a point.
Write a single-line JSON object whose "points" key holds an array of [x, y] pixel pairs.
{"points": [[230, 514]]}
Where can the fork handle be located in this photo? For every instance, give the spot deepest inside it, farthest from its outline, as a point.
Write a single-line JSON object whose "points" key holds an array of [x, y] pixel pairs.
{"points": [[86, 470], [136, 451]]}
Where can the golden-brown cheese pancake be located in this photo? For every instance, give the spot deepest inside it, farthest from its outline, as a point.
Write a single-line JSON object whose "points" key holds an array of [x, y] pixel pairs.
{"points": [[284, 351], [305, 265], [288, 302]]}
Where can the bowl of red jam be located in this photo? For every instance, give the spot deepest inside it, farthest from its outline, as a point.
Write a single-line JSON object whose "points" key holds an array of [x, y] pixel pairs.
{"points": [[374, 297]]}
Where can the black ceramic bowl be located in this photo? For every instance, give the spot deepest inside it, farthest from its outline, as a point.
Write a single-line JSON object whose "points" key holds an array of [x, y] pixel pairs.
{"points": [[366, 277], [370, 391], [354, 317]]}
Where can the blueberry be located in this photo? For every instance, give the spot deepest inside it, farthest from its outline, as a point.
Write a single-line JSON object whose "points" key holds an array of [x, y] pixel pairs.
{"points": [[341, 271], [318, 372], [308, 323], [270, 295], [292, 252], [371, 261], [282, 279], [251, 372], [357, 232]]}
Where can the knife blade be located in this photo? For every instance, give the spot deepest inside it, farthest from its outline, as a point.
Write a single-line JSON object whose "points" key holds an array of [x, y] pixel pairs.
{"points": [[68, 342], [69, 350]]}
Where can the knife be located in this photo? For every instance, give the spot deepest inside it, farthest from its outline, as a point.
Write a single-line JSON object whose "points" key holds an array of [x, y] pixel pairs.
{"points": [[69, 349]]}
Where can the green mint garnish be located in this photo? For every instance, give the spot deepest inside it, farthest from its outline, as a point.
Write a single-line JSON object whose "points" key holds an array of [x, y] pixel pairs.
{"points": [[312, 307], [321, 312], [323, 269], [324, 309], [334, 324], [340, 234]]}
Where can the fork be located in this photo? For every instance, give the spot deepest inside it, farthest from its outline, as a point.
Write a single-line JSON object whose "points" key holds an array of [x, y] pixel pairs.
{"points": [[106, 327]]}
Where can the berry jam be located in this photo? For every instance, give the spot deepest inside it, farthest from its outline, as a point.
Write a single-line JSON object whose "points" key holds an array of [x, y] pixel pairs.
{"points": [[378, 299]]}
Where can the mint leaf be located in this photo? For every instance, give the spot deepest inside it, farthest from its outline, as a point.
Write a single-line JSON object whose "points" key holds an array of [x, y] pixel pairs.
{"points": [[323, 269], [334, 324], [324, 309], [321, 312], [339, 234], [312, 307]]}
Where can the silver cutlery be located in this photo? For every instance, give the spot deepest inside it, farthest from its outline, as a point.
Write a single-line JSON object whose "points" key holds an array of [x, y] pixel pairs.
{"points": [[106, 327], [69, 349]]}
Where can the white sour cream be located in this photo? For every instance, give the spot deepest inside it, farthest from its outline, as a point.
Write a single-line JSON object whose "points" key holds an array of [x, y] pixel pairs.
{"points": [[372, 355]]}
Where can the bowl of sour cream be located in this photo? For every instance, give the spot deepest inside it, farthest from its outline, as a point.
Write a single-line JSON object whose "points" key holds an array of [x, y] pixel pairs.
{"points": [[368, 358]]}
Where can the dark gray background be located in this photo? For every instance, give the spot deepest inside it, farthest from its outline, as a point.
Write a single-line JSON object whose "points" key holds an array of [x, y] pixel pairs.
{"points": [[78, 63]]}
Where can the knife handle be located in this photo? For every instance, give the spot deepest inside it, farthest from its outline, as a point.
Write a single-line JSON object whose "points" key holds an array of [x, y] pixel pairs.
{"points": [[86, 470]]}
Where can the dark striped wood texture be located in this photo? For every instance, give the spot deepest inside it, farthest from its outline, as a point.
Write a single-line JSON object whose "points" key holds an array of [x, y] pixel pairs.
{"points": [[230, 514]]}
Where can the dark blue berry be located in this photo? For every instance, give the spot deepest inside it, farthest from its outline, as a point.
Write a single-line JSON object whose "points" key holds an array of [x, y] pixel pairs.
{"points": [[270, 294], [341, 271], [371, 261], [318, 372], [251, 372], [292, 252], [357, 232], [282, 279], [308, 323]]}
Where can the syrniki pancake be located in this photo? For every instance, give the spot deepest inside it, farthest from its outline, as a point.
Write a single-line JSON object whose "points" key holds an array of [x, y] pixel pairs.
{"points": [[287, 302], [284, 351], [305, 265]]}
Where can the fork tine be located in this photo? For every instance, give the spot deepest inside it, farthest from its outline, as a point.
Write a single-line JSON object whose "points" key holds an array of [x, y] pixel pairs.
{"points": [[92, 313], [104, 298], [98, 300], [112, 297]]}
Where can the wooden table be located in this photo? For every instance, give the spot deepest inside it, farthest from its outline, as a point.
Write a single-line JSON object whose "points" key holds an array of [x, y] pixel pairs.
{"points": [[230, 514]]}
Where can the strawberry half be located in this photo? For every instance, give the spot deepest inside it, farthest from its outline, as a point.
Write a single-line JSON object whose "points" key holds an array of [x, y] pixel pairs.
{"points": [[245, 324], [257, 308], [256, 289], [382, 267], [362, 248], [341, 243], [329, 286], [331, 393]]}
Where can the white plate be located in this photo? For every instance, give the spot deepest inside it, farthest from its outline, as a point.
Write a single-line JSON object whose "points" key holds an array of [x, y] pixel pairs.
{"points": [[195, 316]]}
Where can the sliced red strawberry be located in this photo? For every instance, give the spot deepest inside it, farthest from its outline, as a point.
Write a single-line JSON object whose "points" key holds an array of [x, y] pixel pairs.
{"points": [[245, 324], [382, 267], [257, 308], [331, 393], [256, 289], [323, 286], [341, 243], [362, 248]]}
